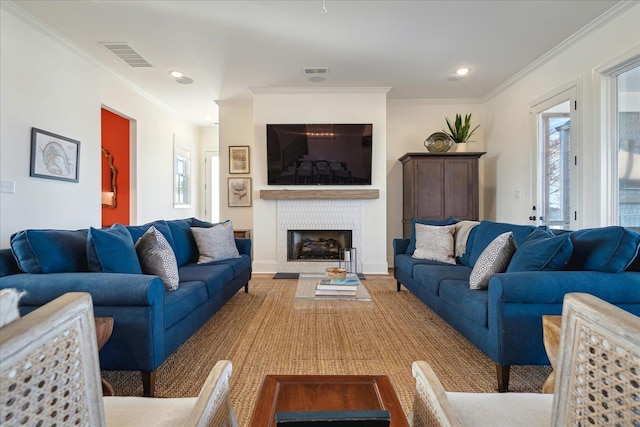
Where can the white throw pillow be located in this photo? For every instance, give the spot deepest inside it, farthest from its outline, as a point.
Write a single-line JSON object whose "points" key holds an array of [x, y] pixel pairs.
{"points": [[435, 243], [493, 259], [156, 257], [215, 243]]}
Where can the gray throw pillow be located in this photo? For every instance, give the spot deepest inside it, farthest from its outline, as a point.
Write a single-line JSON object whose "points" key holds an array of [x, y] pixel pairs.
{"points": [[493, 259], [156, 257], [215, 243], [435, 243]]}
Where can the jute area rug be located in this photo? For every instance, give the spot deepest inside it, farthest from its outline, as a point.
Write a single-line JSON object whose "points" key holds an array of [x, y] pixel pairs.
{"points": [[266, 332]]}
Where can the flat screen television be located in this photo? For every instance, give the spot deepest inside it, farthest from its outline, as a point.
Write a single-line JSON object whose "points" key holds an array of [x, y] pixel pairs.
{"points": [[319, 154]]}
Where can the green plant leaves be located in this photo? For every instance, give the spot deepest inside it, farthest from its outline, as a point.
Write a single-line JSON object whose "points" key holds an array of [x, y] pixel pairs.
{"points": [[460, 132]]}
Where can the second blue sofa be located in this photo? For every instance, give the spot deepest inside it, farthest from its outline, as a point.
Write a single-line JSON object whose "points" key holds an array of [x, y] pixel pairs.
{"points": [[150, 322], [505, 320]]}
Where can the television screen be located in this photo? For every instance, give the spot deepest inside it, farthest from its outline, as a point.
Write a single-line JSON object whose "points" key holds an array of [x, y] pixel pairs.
{"points": [[319, 154]]}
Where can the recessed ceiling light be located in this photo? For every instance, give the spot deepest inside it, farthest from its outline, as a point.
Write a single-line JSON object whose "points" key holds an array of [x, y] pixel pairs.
{"points": [[177, 74], [462, 71]]}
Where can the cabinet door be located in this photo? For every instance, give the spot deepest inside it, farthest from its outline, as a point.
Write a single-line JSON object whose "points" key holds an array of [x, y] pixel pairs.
{"points": [[461, 188], [429, 202]]}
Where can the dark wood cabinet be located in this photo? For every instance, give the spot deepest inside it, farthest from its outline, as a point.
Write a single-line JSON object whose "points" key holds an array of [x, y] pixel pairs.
{"points": [[439, 185]]}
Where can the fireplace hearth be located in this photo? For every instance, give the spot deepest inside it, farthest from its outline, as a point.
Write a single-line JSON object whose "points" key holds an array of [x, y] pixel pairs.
{"points": [[316, 245]]}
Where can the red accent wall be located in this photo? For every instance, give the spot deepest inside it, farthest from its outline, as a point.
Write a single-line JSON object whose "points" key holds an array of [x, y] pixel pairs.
{"points": [[115, 139]]}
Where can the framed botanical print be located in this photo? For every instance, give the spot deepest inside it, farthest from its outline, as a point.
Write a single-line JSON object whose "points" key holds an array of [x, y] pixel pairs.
{"points": [[239, 192], [239, 159]]}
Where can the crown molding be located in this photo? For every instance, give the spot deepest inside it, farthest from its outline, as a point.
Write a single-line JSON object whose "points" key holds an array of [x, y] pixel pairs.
{"points": [[318, 90], [601, 20], [47, 31], [447, 101]]}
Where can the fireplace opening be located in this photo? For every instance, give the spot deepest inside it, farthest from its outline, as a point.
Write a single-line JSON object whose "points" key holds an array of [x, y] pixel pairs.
{"points": [[316, 245]]}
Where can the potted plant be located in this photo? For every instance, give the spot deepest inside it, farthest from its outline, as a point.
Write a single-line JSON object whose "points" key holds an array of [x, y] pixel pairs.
{"points": [[460, 132]]}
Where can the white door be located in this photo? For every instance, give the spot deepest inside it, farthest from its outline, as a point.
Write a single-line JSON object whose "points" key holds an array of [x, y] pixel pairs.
{"points": [[212, 186], [556, 161]]}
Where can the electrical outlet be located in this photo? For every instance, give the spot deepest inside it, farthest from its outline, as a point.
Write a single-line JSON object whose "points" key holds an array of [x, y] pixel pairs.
{"points": [[7, 187], [517, 194]]}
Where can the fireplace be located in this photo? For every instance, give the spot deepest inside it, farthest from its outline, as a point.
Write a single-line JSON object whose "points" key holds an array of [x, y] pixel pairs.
{"points": [[316, 245]]}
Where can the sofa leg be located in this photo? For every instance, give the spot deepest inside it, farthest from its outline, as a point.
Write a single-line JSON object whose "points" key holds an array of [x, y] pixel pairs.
{"points": [[503, 377], [399, 285], [246, 288], [148, 383]]}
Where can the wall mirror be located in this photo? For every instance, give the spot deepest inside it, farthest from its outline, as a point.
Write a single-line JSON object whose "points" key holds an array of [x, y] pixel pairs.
{"points": [[109, 187]]}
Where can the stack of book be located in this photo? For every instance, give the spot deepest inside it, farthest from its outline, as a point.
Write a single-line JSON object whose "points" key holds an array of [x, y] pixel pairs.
{"points": [[337, 287]]}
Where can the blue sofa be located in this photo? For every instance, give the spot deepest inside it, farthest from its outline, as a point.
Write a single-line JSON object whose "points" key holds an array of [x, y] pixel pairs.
{"points": [[504, 321], [150, 322]]}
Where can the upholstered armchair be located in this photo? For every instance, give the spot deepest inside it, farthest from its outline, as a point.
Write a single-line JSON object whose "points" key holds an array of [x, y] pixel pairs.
{"points": [[49, 375], [597, 382]]}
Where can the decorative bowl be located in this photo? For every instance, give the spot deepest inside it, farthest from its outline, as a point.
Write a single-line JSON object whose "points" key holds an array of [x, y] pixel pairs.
{"points": [[438, 142], [336, 273]]}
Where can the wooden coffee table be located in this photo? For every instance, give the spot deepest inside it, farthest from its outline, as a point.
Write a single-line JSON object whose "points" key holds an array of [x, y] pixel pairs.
{"points": [[287, 393]]}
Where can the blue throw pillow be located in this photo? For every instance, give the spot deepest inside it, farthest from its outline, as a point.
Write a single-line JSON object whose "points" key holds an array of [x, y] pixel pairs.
{"points": [[412, 240], [50, 251], [161, 225], [540, 251], [609, 249], [185, 247], [111, 250], [487, 231]]}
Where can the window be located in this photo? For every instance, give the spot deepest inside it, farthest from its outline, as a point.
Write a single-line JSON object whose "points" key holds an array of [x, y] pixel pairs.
{"points": [[627, 116], [556, 162], [181, 176]]}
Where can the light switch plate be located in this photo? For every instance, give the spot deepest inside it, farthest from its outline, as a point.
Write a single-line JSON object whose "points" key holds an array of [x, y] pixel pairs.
{"points": [[7, 187]]}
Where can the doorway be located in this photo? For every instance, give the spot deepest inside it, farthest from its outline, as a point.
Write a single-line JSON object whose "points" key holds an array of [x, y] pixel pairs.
{"points": [[212, 186], [116, 177], [556, 161]]}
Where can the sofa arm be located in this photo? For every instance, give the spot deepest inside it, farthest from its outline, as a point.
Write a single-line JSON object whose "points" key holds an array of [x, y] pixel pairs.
{"points": [[549, 287], [244, 246], [400, 246], [106, 289]]}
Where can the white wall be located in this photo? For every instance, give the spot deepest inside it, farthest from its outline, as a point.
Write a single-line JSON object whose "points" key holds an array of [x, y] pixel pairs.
{"points": [[409, 123], [236, 128], [329, 105], [48, 85], [507, 128]]}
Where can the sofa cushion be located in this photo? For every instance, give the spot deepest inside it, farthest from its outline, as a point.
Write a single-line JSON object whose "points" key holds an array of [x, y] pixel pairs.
{"points": [[161, 225], [412, 239], [486, 231], [465, 302], [215, 243], [111, 250], [183, 301], [494, 259], [214, 275], [50, 251], [431, 276], [407, 263], [157, 258], [542, 251], [435, 243], [608, 249], [184, 245]]}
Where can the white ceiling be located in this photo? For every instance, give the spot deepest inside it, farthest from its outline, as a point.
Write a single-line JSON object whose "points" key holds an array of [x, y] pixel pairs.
{"points": [[227, 47]]}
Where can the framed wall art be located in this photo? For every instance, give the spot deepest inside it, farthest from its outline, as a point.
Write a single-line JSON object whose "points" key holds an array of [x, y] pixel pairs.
{"points": [[239, 192], [54, 156], [239, 159]]}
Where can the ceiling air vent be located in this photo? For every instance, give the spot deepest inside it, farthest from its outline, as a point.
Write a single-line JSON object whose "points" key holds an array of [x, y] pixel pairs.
{"points": [[126, 53], [310, 71]]}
